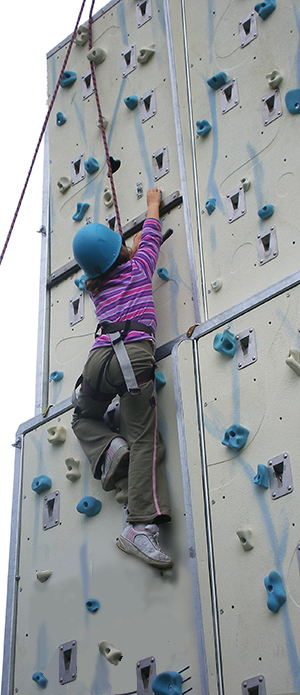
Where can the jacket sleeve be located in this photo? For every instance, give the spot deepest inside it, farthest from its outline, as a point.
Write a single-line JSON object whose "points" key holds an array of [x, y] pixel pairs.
{"points": [[148, 250]]}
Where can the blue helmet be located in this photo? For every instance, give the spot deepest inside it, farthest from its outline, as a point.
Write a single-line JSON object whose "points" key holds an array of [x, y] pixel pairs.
{"points": [[96, 247]]}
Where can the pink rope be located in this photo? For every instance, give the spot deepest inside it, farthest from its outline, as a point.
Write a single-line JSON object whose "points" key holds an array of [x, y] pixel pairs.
{"points": [[41, 134], [110, 174]]}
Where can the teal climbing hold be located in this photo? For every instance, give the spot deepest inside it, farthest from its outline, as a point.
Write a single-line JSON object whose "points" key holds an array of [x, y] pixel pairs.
{"points": [[80, 283], [235, 437], [41, 484], [40, 679], [225, 343], [91, 165], [68, 78], [276, 591], [80, 212], [60, 118], [167, 683], [210, 205], [92, 605], [217, 81], [56, 376], [292, 100], [265, 8], [163, 273], [89, 506], [160, 380], [203, 127], [266, 211], [131, 102], [262, 476]]}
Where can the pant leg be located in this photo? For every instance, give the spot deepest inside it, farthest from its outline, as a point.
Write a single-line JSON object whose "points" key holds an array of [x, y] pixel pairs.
{"points": [[148, 497], [92, 432]]}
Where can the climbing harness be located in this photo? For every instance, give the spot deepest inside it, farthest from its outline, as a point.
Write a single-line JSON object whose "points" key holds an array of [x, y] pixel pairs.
{"points": [[42, 133], [117, 333]]}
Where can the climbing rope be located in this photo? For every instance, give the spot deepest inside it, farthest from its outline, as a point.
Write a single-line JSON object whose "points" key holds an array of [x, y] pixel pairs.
{"points": [[110, 174], [42, 134]]}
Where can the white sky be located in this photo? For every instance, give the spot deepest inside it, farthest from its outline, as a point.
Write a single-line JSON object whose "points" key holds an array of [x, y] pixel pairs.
{"points": [[29, 31]]}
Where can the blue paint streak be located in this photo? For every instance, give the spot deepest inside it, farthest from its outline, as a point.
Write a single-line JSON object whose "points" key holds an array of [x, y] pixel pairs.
{"points": [[142, 147], [81, 122], [258, 173], [116, 109], [211, 29], [212, 188], [122, 19], [213, 238], [83, 554], [42, 648], [101, 684], [297, 18]]}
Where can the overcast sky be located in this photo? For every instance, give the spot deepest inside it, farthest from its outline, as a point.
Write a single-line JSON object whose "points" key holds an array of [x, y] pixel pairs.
{"points": [[29, 31]]}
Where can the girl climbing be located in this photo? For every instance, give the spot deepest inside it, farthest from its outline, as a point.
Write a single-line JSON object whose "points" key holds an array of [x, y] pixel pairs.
{"points": [[121, 361]]}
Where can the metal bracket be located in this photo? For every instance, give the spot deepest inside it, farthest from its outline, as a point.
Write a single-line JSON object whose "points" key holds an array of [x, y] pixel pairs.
{"points": [[139, 189], [51, 510], [280, 476], [248, 29], [143, 12], [128, 60], [148, 105], [160, 163], [267, 245], [235, 204], [145, 672], [67, 662], [76, 313], [77, 169], [229, 96], [254, 686], [112, 221], [87, 87], [271, 106], [245, 350]]}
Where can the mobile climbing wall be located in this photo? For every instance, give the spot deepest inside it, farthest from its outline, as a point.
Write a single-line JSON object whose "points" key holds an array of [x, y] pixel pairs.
{"points": [[201, 99]]}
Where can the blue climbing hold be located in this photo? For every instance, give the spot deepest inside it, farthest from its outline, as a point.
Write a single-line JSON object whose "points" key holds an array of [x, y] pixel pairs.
{"points": [[56, 376], [41, 484], [167, 683], [225, 343], [80, 212], [163, 273], [40, 679], [217, 81], [91, 165], [89, 506], [131, 102], [262, 476], [60, 118], [276, 591], [210, 205], [80, 283], [160, 380], [266, 211], [203, 127], [265, 8], [235, 437], [92, 605], [292, 100], [68, 78]]}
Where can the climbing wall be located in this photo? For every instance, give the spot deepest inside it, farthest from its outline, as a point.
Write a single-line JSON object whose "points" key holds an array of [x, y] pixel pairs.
{"points": [[142, 144], [242, 74], [252, 489]]}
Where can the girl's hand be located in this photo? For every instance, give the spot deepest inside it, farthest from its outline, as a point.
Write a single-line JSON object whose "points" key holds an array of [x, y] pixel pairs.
{"points": [[153, 202]]}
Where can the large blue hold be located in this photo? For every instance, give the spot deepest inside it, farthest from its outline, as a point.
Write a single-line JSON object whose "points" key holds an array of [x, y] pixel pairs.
{"points": [[167, 683], [235, 437], [68, 78], [92, 605], [276, 591], [203, 127], [41, 484], [292, 100], [265, 8], [91, 165], [40, 679], [56, 375], [217, 81], [225, 343], [262, 476], [210, 205], [80, 211], [265, 212], [89, 506], [131, 102]]}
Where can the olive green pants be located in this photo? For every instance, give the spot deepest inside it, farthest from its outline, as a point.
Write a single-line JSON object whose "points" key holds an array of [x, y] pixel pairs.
{"points": [[148, 498]]}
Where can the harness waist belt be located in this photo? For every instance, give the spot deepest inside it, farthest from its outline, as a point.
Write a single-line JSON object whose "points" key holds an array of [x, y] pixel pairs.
{"points": [[107, 327]]}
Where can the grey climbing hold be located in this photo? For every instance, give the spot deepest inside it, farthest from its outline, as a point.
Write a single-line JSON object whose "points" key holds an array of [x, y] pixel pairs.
{"points": [[57, 434], [43, 575], [73, 473], [293, 360], [96, 55], [111, 654]]}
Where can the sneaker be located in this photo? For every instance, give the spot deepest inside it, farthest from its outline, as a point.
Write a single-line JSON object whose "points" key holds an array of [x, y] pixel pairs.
{"points": [[144, 543], [115, 464]]}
